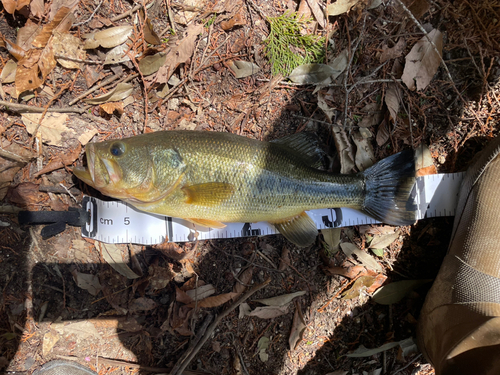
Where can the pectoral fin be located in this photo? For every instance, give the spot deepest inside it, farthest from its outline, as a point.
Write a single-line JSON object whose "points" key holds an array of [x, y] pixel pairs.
{"points": [[299, 229], [209, 194], [207, 223]]}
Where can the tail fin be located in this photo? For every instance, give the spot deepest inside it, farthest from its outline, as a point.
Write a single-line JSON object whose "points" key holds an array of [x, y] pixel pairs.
{"points": [[388, 188]]}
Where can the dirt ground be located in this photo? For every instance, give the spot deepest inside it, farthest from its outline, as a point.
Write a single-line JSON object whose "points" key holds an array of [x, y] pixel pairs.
{"points": [[63, 299]]}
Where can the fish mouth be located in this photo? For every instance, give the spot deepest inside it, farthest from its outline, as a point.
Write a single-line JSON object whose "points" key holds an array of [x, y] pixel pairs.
{"points": [[99, 172]]}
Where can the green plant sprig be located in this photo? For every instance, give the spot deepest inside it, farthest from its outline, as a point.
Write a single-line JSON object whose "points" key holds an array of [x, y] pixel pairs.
{"points": [[286, 48]]}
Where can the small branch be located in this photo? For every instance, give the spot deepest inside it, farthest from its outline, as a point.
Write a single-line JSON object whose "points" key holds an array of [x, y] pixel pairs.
{"points": [[179, 367], [91, 90], [28, 108], [91, 16]]}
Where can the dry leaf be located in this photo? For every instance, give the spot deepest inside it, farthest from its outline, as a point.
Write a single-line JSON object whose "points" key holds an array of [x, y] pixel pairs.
{"points": [[150, 35], [141, 304], [120, 92], [323, 104], [50, 339], [82, 330], [85, 137], [51, 128], [282, 300], [340, 6], [42, 39], [269, 312], [37, 8], [117, 55], [366, 259], [362, 352], [382, 133], [364, 151], [298, 329], [110, 108], [11, 6], [311, 73], [27, 72], [319, 15], [27, 34], [182, 297], [65, 158], [237, 20], [349, 272], [47, 61], [395, 292], [262, 345], [373, 115], [214, 301], [392, 100], [151, 64], [359, 286], [8, 74], [242, 69], [112, 254], [344, 149], [244, 310], [383, 241], [88, 282], [109, 38], [70, 47], [191, 8], [201, 292], [180, 53], [393, 52], [246, 278], [424, 163], [423, 62], [379, 280]]}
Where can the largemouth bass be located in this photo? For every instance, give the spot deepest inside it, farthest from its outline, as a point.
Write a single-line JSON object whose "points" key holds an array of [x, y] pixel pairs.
{"points": [[210, 178]]}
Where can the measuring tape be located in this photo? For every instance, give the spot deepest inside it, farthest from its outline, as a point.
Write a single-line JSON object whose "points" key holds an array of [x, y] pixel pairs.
{"points": [[118, 222]]}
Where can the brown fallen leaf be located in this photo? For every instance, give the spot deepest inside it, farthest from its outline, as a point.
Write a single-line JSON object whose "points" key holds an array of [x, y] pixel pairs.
{"points": [[27, 34], [150, 35], [348, 272], [88, 282], [379, 280], [269, 312], [65, 158], [359, 286], [214, 301], [47, 61], [120, 92], [180, 53], [180, 318], [182, 297], [110, 108], [70, 47], [141, 304], [392, 99], [109, 38], [37, 8], [12, 159], [393, 52], [246, 278], [42, 39], [51, 127], [27, 74], [423, 62], [11, 6], [237, 20], [382, 133], [298, 328], [372, 116]]}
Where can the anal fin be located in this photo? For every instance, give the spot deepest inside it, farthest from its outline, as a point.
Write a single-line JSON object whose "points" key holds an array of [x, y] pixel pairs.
{"points": [[299, 229], [207, 223]]}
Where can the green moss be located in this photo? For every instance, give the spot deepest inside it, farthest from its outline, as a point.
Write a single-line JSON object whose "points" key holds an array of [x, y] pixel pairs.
{"points": [[286, 48]]}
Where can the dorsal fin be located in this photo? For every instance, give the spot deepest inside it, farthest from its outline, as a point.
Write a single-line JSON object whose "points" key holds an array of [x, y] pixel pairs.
{"points": [[308, 147]]}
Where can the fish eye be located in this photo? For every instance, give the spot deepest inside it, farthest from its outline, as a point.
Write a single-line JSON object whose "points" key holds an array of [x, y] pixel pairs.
{"points": [[117, 149]]}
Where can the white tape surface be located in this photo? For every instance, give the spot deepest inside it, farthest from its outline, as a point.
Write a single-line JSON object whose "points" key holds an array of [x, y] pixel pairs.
{"points": [[118, 222]]}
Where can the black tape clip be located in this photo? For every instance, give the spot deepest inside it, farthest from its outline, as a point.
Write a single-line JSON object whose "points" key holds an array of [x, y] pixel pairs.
{"points": [[57, 220]]}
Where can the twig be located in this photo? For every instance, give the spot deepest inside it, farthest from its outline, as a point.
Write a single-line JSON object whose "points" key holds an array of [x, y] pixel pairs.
{"points": [[11, 156], [78, 60], [348, 69], [193, 344], [131, 11], [257, 9], [180, 368], [91, 16], [28, 108], [91, 90]]}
